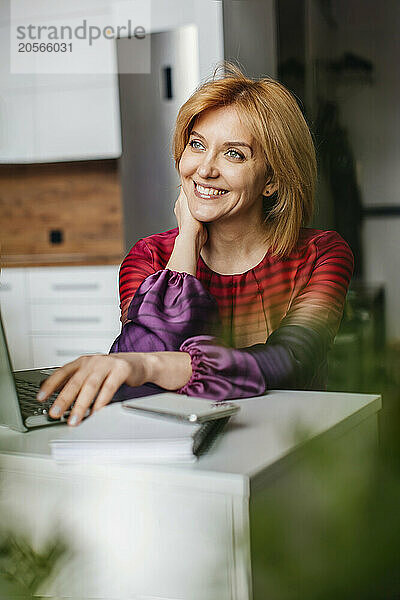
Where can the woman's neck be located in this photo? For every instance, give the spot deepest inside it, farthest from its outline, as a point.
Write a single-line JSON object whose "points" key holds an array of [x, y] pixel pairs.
{"points": [[235, 246]]}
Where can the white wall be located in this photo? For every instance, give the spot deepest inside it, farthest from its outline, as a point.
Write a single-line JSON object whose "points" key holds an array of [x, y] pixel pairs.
{"points": [[381, 237], [371, 115]]}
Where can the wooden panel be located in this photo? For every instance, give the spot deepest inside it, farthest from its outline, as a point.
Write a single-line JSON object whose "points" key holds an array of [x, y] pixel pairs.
{"points": [[81, 200]]}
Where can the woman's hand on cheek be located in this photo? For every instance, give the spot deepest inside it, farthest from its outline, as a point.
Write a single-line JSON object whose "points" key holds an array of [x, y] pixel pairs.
{"points": [[91, 381], [189, 227]]}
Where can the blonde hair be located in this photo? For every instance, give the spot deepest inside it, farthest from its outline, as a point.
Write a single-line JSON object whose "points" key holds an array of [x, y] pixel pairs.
{"points": [[275, 120]]}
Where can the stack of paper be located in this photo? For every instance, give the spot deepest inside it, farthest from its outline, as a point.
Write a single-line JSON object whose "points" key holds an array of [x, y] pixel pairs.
{"points": [[116, 435]]}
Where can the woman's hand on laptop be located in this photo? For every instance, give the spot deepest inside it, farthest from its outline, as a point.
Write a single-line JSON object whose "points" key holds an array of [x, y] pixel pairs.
{"points": [[92, 381], [90, 378]]}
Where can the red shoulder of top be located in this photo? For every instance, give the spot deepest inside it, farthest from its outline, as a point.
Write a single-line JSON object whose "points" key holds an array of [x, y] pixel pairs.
{"points": [[147, 256], [330, 248], [161, 246], [318, 237]]}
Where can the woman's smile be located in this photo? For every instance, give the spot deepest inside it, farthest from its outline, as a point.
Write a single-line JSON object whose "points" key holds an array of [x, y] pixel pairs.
{"points": [[207, 192]]}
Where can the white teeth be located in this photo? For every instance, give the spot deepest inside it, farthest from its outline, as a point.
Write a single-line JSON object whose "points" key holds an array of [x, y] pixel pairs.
{"points": [[209, 191]]}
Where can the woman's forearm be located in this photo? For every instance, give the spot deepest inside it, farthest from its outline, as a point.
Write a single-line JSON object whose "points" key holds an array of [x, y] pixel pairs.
{"points": [[169, 370], [185, 255]]}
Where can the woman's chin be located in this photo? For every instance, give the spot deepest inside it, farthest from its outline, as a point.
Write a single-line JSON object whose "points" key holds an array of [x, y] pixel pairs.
{"points": [[205, 216]]}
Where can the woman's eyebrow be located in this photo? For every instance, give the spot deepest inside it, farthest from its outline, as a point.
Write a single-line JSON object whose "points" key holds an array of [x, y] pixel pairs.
{"points": [[225, 143]]}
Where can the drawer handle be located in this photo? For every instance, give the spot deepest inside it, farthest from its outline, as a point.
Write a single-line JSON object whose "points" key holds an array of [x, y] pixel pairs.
{"points": [[63, 287], [5, 287], [77, 320]]}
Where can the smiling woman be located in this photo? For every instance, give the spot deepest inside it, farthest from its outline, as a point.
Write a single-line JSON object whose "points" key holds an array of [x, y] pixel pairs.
{"points": [[241, 297]]}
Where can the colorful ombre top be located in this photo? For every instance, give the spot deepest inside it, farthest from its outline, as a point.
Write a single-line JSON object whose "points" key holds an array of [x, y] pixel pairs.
{"points": [[268, 328]]}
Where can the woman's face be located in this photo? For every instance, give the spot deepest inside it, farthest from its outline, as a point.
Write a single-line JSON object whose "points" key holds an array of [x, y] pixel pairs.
{"points": [[222, 168]]}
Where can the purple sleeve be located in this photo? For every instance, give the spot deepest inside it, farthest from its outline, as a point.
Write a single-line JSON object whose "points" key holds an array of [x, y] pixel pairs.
{"points": [[219, 372], [167, 308], [172, 311]]}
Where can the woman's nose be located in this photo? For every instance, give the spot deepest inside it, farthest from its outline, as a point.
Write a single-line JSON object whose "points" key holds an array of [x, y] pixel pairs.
{"points": [[208, 167]]}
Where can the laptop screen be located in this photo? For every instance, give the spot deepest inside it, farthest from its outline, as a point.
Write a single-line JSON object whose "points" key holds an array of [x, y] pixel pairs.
{"points": [[10, 414]]}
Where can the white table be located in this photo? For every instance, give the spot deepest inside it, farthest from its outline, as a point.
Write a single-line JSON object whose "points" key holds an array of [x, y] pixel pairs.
{"points": [[170, 532]]}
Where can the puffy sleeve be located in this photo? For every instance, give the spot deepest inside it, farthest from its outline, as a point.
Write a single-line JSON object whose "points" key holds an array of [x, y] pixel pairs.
{"points": [[172, 311], [168, 308], [219, 372], [295, 354]]}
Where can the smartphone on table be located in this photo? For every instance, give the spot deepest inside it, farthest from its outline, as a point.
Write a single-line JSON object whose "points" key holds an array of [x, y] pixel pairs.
{"points": [[184, 408]]}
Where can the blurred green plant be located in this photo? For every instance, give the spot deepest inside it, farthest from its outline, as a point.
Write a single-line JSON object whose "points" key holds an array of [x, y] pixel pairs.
{"points": [[24, 570], [333, 530], [334, 538]]}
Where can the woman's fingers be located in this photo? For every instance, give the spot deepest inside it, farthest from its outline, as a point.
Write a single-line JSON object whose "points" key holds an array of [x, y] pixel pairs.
{"points": [[84, 381], [70, 378], [88, 392], [111, 384], [177, 207], [69, 393], [56, 380], [188, 225]]}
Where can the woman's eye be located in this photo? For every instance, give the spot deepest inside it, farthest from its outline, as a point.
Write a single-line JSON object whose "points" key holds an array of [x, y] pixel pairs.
{"points": [[193, 143], [236, 154]]}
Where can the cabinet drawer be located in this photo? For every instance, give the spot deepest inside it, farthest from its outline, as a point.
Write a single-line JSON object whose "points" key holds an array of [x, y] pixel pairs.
{"points": [[14, 305], [12, 284], [75, 318], [67, 283], [58, 350]]}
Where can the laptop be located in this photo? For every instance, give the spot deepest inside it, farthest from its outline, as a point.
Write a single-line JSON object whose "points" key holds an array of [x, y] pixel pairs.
{"points": [[19, 408]]}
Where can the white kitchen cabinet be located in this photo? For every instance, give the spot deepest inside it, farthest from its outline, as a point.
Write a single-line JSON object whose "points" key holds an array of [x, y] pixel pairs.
{"points": [[60, 116], [54, 351], [17, 127], [73, 283], [14, 305], [52, 315], [77, 318], [66, 116], [81, 122]]}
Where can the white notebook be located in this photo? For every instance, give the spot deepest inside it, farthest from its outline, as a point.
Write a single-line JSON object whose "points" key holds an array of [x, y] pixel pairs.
{"points": [[116, 435]]}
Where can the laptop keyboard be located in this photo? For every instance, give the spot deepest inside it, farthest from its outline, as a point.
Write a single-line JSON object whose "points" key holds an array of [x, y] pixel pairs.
{"points": [[27, 392]]}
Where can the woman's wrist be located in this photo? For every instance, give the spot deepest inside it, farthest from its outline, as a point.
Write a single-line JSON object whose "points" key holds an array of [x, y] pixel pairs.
{"points": [[185, 253], [140, 367], [170, 370], [195, 241]]}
